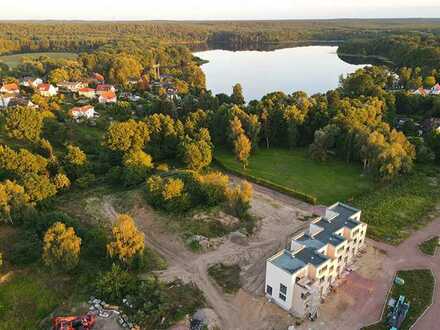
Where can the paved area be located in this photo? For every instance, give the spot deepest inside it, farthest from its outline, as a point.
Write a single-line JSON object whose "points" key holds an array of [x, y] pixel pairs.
{"points": [[360, 299]]}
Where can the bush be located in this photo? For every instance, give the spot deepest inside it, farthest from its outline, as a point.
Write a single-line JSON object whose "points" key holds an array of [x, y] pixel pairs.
{"points": [[226, 276], [115, 285], [288, 191], [26, 250]]}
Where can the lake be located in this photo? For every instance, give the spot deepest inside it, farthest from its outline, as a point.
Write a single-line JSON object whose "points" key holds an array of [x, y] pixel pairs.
{"points": [[312, 69]]}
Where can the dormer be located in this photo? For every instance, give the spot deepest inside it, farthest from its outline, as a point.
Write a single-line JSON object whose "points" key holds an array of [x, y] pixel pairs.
{"points": [[314, 230], [295, 247], [330, 215]]}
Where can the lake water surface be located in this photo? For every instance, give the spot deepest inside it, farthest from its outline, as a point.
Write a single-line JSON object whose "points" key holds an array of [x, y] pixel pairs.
{"points": [[312, 69]]}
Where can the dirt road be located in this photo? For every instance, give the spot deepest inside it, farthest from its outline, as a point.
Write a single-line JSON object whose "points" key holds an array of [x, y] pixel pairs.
{"points": [[281, 217]]}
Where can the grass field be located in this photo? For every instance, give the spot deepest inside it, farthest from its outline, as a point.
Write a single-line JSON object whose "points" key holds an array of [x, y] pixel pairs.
{"points": [[430, 246], [394, 211], [418, 290], [27, 298], [330, 182], [14, 60]]}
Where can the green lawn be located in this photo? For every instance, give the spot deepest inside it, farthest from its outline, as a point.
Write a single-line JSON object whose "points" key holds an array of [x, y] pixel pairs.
{"points": [[14, 60], [418, 289], [27, 298], [430, 246], [394, 211], [330, 182]]}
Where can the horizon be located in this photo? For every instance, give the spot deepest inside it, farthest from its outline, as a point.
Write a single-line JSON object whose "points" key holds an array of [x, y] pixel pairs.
{"points": [[228, 10]]}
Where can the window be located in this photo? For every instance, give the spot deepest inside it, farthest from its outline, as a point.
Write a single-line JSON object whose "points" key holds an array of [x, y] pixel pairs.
{"points": [[282, 297], [323, 269], [322, 279], [269, 290], [340, 259], [283, 289]]}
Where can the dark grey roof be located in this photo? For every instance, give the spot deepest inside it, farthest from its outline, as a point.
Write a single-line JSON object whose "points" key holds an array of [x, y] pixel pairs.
{"points": [[341, 220], [308, 255], [287, 262]]}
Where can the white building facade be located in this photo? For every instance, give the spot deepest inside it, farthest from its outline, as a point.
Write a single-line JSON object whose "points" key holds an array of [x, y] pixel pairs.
{"points": [[299, 277]]}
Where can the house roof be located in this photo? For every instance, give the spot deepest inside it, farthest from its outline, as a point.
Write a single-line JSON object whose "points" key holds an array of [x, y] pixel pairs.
{"points": [[97, 76], [82, 109], [288, 262], [43, 87], [87, 90], [108, 95], [104, 87], [338, 216], [10, 87]]}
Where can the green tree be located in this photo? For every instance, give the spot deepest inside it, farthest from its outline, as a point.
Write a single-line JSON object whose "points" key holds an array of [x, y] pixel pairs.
{"points": [[75, 156], [123, 67], [12, 196], [125, 136], [429, 82], [61, 247], [58, 75], [38, 187], [23, 123], [127, 241], [137, 166], [237, 95], [115, 285], [242, 149]]}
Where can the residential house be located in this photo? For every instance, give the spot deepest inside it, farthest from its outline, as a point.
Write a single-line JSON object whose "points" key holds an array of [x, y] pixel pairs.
{"points": [[421, 91], [103, 88], [5, 100], [86, 112], [298, 278], [31, 82], [47, 90], [71, 86], [96, 78], [22, 101], [10, 89], [435, 90], [107, 97], [87, 92]]}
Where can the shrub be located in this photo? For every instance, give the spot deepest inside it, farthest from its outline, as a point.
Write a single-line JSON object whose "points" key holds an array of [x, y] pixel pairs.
{"points": [[239, 199], [226, 276], [26, 250], [115, 285], [214, 186]]}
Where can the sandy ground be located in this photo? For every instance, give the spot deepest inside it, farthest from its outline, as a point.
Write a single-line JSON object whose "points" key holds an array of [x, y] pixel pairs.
{"points": [[281, 217], [358, 301]]}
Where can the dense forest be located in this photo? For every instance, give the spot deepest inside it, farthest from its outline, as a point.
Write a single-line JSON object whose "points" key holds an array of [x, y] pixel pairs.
{"points": [[84, 36], [404, 50]]}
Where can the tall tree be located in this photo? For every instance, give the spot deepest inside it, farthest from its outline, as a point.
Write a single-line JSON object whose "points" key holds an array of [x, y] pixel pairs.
{"points": [[127, 241], [61, 247]]}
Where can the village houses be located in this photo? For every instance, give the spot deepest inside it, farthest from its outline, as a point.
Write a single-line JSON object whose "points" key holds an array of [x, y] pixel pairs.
{"points": [[31, 82], [107, 97], [88, 92], [11, 88], [103, 88], [71, 86], [84, 112], [47, 90]]}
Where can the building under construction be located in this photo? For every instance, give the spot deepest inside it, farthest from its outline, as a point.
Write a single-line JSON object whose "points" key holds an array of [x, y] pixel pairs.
{"points": [[299, 277]]}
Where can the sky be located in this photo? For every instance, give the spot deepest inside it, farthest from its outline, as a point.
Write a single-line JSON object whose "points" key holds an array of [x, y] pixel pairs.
{"points": [[209, 10]]}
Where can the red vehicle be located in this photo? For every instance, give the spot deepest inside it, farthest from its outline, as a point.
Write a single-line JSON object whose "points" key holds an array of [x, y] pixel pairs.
{"points": [[85, 322]]}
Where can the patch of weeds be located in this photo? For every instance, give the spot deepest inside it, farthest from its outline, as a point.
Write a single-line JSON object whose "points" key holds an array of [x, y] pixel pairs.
{"points": [[429, 246], [226, 276]]}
